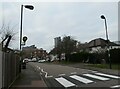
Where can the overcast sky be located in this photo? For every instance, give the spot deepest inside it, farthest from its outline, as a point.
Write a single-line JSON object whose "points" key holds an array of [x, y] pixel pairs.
{"points": [[48, 20]]}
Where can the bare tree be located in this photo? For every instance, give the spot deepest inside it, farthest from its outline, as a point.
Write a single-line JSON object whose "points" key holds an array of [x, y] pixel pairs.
{"points": [[7, 34]]}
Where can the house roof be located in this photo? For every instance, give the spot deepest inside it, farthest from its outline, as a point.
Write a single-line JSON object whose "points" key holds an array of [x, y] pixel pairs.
{"points": [[101, 42]]}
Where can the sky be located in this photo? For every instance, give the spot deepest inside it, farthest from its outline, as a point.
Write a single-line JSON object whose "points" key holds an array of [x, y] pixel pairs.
{"points": [[48, 20]]}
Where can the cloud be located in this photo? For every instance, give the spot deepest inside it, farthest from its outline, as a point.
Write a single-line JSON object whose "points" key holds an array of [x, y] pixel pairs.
{"points": [[52, 19]]}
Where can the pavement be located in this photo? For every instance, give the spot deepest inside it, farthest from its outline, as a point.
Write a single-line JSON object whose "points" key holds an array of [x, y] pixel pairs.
{"points": [[29, 78]]}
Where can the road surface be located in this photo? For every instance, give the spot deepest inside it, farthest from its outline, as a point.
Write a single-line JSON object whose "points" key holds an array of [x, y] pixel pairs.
{"points": [[71, 77]]}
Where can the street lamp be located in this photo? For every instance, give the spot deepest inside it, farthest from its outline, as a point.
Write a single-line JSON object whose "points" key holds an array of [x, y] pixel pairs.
{"points": [[31, 8], [28, 7], [103, 17]]}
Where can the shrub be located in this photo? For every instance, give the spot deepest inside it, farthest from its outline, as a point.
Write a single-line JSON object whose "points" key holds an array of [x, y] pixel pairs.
{"points": [[78, 57], [115, 55]]}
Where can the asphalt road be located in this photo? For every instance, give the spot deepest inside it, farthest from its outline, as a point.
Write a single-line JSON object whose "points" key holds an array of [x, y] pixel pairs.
{"points": [[71, 77]]}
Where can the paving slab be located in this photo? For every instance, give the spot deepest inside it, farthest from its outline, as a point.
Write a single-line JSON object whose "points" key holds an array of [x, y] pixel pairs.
{"points": [[28, 78]]}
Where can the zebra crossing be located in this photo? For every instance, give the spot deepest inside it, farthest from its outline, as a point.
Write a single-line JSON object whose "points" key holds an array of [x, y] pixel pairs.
{"points": [[81, 79], [65, 82], [88, 78], [96, 77]]}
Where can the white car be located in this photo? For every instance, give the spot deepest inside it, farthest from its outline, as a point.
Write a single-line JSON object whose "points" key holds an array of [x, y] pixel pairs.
{"points": [[40, 61], [34, 59], [25, 60]]}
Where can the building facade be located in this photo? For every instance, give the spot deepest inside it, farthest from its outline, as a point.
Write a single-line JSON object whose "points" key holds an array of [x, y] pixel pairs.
{"points": [[33, 52], [57, 41]]}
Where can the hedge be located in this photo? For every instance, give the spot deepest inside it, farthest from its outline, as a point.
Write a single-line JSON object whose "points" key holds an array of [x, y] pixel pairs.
{"points": [[95, 58]]}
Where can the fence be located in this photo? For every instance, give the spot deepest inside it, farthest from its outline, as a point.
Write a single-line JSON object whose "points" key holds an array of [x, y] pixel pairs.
{"points": [[10, 68]]}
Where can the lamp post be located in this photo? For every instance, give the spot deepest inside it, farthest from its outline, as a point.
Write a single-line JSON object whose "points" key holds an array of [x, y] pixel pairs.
{"points": [[28, 7], [103, 17], [31, 8]]}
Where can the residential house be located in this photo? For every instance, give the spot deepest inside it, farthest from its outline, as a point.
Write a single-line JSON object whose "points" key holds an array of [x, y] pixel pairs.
{"points": [[98, 45], [33, 52]]}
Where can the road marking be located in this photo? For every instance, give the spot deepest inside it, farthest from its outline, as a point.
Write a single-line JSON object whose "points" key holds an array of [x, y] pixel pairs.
{"points": [[73, 73], [107, 75], [42, 70], [39, 68], [61, 75], [96, 77], [65, 82], [40, 73], [49, 76], [81, 79], [77, 68], [92, 71], [116, 86], [45, 74]]}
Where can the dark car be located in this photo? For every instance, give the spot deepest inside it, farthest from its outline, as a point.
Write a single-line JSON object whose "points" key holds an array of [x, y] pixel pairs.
{"points": [[23, 65]]}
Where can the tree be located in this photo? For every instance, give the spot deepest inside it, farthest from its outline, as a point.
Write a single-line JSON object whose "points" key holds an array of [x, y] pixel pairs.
{"points": [[7, 34], [68, 45]]}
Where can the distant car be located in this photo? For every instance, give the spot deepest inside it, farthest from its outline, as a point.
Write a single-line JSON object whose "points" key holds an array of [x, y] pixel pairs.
{"points": [[25, 60], [40, 61], [23, 65], [34, 59], [29, 60]]}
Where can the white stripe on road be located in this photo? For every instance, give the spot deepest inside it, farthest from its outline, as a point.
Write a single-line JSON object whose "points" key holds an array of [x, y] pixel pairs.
{"points": [[92, 71], [96, 77], [81, 79], [116, 86], [73, 73], [107, 75], [61, 75], [65, 82], [49, 76]]}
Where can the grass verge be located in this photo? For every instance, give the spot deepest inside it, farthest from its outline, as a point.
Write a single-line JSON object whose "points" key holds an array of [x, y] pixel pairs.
{"points": [[105, 66]]}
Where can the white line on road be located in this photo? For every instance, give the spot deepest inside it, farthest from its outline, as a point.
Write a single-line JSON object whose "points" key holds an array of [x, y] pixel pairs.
{"points": [[77, 68], [46, 74], [92, 71], [40, 73], [43, 71], [49, 76], [65, 82], [37, 66], [73, 73], [61, 75], [107, 75], [116, 86], [96, 77], [81, 79]]}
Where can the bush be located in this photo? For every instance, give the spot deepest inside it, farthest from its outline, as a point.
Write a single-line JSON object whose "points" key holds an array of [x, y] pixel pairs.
{"points": [[95, 58], [115, 56], [78, 57]]}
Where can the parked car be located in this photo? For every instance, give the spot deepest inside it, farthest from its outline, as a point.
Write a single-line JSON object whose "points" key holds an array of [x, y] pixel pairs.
{"points": [[34, 59], [29, 60], [23, 65], [40, 61], [26, 60]]}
